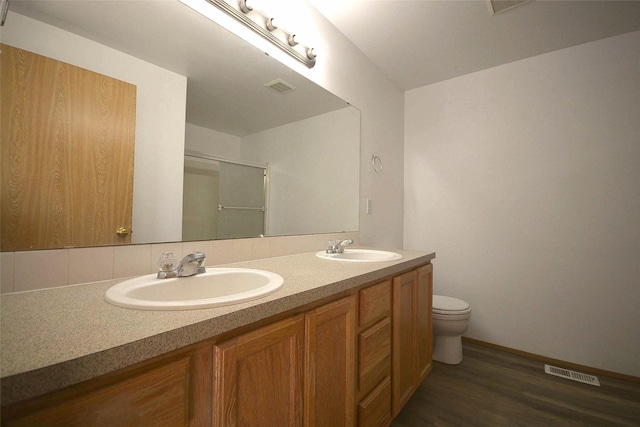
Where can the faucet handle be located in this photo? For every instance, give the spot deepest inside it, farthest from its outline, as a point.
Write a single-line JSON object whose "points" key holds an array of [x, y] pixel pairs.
{"points": [[167, 261], [332, 246], [200, 257]]}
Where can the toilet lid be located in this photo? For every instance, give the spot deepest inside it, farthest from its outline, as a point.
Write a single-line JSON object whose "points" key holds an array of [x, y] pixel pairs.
{"points": [[449, 305]]}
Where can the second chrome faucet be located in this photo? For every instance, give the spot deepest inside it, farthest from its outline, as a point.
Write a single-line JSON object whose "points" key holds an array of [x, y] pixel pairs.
{"points": [[190, 265], [337, 246]]}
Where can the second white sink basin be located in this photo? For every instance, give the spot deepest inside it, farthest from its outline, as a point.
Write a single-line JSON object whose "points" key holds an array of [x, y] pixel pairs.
{"points": [[216, 287], [361, 255]]}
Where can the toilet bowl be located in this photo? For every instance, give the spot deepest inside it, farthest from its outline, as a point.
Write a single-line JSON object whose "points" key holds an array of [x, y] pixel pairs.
{"points": [[450, 320]]}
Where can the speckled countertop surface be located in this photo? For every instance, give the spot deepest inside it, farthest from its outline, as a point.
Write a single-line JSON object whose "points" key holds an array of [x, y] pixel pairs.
{"points": [[61, 336]]}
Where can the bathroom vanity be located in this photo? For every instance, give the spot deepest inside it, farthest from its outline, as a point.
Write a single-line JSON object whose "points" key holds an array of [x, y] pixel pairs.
{"points": [[338, 344]]}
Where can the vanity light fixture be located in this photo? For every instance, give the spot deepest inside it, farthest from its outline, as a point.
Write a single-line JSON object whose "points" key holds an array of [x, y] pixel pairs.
{"points": [[268, 28]]}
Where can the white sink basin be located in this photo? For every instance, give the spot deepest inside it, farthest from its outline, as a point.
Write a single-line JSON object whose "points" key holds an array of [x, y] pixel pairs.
{"points": [[216, 287], [360, 255]]}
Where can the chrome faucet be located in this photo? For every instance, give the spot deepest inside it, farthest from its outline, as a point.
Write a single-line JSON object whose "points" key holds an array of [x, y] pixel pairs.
{"points": [[190, 265], [337, 246]]}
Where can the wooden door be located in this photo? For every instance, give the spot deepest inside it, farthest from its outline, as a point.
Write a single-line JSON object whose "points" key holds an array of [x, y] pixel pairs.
{"points": [[258, 377], [330, 369], [68, 138]]}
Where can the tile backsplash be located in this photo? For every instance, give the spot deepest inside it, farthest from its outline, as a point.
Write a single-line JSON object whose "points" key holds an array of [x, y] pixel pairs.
{"points": [[31, 270]]}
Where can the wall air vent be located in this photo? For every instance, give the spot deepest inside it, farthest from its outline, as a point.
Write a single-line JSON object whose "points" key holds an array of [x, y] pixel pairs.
{"points": [[497, 6], [571, 375], [280, 86]]}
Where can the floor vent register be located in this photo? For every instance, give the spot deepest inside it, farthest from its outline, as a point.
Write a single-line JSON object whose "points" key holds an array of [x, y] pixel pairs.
{"points": [[572, 375]]}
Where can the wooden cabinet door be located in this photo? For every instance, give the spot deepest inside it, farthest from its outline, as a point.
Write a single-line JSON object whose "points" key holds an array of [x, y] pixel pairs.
{"points": [[68, 137], [404, 351], [175, 391], [258, 377], [412, 333], [330, 365], [424, 329]]}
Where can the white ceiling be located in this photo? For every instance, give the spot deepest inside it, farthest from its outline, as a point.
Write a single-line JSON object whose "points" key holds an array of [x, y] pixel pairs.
{"points": [[419, 42]]}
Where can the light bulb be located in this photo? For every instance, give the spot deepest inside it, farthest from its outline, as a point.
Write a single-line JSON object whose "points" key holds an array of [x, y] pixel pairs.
{"points": [[272, 24], [246, 6]]}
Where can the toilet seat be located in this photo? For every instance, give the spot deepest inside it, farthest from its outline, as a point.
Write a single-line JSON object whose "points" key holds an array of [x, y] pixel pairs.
{"points": [[448, 306]]}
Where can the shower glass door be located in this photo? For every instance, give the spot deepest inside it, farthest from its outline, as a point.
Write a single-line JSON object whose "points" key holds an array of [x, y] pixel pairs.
{"points": [[222, 199], [241, 201]]}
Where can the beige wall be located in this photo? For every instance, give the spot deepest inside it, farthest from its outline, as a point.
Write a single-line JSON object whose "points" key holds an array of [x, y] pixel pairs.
{"points": [[526, 180]]}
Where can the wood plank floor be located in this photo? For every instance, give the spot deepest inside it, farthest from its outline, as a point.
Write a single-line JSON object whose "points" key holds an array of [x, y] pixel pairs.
{"points": [[495, 388]]}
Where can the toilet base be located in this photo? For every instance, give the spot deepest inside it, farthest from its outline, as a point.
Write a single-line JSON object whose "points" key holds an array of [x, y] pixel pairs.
{"points": [[447, 349]]}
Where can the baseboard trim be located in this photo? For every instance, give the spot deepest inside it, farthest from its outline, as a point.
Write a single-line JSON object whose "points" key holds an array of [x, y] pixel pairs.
{"points": [[568, 365]]}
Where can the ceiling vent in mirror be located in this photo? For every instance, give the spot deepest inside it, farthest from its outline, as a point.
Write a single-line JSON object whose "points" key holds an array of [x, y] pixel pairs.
{"points": [[280, 86], [497, 6]]}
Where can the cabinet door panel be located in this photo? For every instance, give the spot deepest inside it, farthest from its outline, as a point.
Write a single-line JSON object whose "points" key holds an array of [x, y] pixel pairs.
{"points": [[424, 326], [412, 333], [176, 393], [258, 376], [330, 365], [404, 324]]}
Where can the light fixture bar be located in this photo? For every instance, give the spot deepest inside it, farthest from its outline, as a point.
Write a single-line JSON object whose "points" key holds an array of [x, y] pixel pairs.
{"points": [[308, 59]]}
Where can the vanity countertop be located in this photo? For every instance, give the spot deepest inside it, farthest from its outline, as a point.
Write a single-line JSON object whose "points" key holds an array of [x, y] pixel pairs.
{"points": [[61, 336]]}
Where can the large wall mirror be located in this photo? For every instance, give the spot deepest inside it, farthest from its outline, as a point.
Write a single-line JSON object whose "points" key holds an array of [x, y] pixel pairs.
{"points": [[204, 100]]}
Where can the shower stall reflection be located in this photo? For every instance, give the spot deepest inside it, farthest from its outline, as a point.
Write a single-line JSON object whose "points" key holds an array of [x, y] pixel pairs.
{"points": [[223, 199]]}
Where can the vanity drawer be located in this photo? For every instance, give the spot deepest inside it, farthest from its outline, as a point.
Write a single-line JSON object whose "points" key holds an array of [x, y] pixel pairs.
{"points": [[374, 346], [375, 409], [375, 303]]}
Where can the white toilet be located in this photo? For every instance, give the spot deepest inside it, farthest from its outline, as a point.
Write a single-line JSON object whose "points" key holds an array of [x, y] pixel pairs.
{"points": [[450, 320]]}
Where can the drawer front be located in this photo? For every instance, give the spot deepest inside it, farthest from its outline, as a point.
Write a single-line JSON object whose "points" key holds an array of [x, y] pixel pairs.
{"points": [[375, 409], [374, 346], [375, 303]]}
